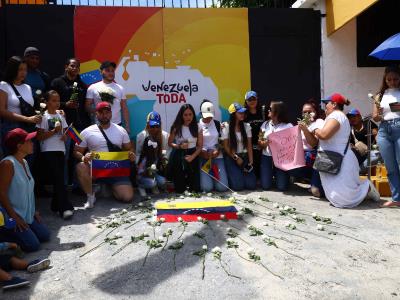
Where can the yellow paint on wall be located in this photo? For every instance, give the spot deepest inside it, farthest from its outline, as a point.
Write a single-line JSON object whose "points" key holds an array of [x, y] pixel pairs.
{"points": [[339, 12]]}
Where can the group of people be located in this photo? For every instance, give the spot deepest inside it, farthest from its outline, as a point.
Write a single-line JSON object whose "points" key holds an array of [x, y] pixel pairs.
{"points": [[36, 113]]}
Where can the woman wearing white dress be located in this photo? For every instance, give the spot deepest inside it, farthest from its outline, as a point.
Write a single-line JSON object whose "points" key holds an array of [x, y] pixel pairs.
{"points": [[345, 189]]}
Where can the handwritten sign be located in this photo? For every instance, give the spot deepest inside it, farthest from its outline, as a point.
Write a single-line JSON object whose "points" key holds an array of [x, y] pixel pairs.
{"points": [[287, 149]]}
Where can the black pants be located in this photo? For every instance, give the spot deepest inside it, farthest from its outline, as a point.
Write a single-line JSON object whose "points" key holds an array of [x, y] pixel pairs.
{"points": [[184, 174], [257, 162], [54, 171]]}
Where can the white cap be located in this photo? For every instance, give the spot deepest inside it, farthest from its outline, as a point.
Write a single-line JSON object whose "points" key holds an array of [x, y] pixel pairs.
{"points": [[207, 110]]}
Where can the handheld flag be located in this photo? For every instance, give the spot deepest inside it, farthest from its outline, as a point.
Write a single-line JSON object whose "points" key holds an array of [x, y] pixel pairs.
{"points": [[207, 166], [211, 169], [111, 164], [191, 211], [74, 134]]}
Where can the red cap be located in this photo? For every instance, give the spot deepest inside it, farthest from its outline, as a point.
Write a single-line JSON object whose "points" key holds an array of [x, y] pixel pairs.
{"points": [[337, 98], [102, 105], [17, 136]]}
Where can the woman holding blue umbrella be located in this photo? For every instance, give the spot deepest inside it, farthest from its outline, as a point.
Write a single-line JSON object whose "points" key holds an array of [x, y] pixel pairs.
{"points": [[389, 129]]}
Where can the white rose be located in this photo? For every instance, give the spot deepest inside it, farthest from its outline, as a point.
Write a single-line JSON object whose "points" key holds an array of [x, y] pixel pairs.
{"points": [[140, 204], [222, 217], [286, 208], [75, 84], [251, 251], [229, 229], [199, 219], [231, 199], [249, 226], [314, 215], [57, 124], [216, 249], [164, 152], [162, 220], [160, 238], [38, 92], [209, 194], [276, 205], [180, 219], [320, 227], [124, 211], [182, 197], [265, 224], [204, 247], [153, 167], [42, 105], [118, 234], [132, 218], [269, 213], [294, 217]]}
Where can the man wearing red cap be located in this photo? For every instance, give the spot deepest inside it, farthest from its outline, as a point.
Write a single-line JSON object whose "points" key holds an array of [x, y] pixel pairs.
{"points": [[104, 137]]}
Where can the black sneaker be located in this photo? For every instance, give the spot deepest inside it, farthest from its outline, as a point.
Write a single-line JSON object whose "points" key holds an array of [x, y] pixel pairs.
{"points": [[15, 282]]}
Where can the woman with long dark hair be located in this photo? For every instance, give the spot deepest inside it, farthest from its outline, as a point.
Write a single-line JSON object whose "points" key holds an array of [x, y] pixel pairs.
{"points": [[385, 111], [16, 99], [255, 116], [311, 119], [278, 120], [236, 137], [186, 142]]}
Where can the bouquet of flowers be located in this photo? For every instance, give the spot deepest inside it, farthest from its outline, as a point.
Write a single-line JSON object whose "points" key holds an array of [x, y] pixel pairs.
{"points": [[107, 94], [307, 118]]}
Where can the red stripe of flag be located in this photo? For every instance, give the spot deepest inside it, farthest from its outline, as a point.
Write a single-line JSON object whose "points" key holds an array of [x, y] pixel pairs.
{"points": [[116, 172]]}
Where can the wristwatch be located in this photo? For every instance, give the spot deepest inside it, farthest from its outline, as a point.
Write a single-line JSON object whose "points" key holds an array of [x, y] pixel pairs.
{"points": [[235, 157]]}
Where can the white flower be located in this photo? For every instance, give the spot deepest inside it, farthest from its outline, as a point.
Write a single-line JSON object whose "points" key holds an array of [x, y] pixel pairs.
{"points": [[229, 229], [268, 213], [187, 193], [164, 152], [276, 205], [180, 242], [294, 217], [57, 124], [180, 219], [216, 249], [204, 247], [38, 92], [222, 217], [265, 224], [160, 238], [75, 84], [249, 227], [42, 105], [200, 219], [320, 227], [169, 229], [209, 194], [251, 251], [118, 234], [132, 218], [232, 199], [182, 197], [312, 114], [162, 220], [230, 240], [153, 167], [124, 211], [140, 204], [281, 209], [240, 214], [314, 215], [287, 208]]}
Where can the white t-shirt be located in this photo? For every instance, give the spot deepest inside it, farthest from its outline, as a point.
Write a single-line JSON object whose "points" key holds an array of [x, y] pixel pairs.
{"points": [[319, 123], [93, 139], [142, 136], [339, 140], [53, 143], [93, 93], [267, 127], [240, 148], [390, 96], [210, 135], [12, 99], [186, 137]]}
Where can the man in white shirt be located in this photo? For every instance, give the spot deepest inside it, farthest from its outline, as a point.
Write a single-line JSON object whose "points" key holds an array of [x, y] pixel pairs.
{"points": [[118, 105], [93, 140]]}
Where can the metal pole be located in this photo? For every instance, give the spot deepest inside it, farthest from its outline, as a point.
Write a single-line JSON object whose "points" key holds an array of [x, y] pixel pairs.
{"points": [[369, 133]]}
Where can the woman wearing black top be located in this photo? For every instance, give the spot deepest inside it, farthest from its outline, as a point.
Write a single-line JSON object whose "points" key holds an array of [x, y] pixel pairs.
{"points": [[255, 117]]}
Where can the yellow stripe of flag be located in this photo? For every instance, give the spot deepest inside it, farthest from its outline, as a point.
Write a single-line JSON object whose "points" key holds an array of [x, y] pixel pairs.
{"points": [[111, 155], [190, 205]]}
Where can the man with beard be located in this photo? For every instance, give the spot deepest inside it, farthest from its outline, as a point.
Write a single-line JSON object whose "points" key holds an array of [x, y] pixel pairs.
{"points": [[117, 100], [94, 140]]}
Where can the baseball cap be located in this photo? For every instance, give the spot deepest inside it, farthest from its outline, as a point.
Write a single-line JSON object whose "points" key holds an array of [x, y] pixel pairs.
{"points": [[236, 107], [106, 64], [154, 118], [337, 98], [103, 105], [207, 110], [17, 136], [354, 112], [250, 94], [31, 50]]}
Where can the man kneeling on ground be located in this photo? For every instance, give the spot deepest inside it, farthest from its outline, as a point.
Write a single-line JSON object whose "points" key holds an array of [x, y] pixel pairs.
{"points": [[104, 137]]}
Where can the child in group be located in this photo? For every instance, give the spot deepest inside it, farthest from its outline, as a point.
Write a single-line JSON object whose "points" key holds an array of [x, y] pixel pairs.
{"points": [[52, 146], [9, 261]]}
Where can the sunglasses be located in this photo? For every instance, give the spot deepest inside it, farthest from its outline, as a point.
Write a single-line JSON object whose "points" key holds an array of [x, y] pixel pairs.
{"points": [[154, 126], [251, 99]]}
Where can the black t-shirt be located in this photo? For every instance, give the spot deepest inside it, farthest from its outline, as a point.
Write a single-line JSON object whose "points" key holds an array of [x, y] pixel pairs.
{"points": [[64, 86], [361, 135], [255, 121]]}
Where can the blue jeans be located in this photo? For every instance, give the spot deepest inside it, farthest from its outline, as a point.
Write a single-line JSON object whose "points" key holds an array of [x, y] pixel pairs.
{"points": [[29, 240], [389, 146], [149, 183], [238, 179], [268, 172], [207, 184]]}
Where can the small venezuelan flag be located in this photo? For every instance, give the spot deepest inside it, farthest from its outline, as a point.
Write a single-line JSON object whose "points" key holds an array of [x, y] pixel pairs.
{"points": [[111, 164], [190, 211], [211, 169], [74, 134]]}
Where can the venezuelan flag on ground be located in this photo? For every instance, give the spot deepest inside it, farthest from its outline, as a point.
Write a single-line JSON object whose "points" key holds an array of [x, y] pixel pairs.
{"points": [[190, 211], [111, 164], [74, 134]]}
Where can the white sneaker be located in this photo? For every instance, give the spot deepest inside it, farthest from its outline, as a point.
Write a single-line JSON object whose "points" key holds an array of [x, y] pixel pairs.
{"points": [[373, 194], [67, 214], [142, 192], [155, 190], [91, 199]]}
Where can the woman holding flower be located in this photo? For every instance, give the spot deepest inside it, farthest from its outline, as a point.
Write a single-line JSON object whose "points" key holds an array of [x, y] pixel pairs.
{"points": [[236, 137], [186, 142], [14, 94], [310, 121], [389, 130], [16, 193], [278, 120]]}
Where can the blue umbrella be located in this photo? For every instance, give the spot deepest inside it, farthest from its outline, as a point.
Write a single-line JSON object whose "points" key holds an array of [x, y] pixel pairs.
{"points": [[389, 49]]}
